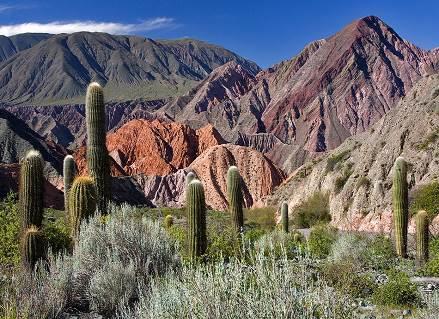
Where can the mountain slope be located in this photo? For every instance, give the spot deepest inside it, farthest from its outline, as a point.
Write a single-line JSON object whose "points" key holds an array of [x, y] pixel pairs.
{"points": [[333, 89], [358, 174], [60, 68], [16, 43]]}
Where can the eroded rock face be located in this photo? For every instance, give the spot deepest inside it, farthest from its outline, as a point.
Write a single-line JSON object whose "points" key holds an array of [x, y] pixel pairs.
{"points": [[159, 148], [258, 172], [364, 201]]}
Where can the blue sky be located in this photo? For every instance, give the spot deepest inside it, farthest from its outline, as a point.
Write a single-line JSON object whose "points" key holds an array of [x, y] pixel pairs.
{"points": [[263, 31]]}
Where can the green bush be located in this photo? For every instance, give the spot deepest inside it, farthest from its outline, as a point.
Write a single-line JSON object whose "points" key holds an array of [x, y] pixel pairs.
{"points": [[333, 160], [345, 276], [379, 253], [312, 211], [223, 245], [363, 181], [321, 239], [426, 198], [9, 230], [340, 181], [431, 268], [397, 291], [58, 236], [262, 217]]}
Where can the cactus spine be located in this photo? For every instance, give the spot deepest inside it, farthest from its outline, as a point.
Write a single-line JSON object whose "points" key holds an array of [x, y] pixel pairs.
{"points": [[190, 177], [196, 212], [33, 248], [82, 202], [97, 153], [422, 234], [234, 191], [284, 216], [31, 190], [400, 206], [69, 172]]}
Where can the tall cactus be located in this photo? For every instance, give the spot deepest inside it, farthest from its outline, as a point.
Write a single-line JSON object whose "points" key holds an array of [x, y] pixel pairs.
{"points": [[82, 202], [69, 172], [236, 200], [196, 212], [400, 206], [284, 216], [97, 153], [422, 234], [33, 248], [31, 190]]}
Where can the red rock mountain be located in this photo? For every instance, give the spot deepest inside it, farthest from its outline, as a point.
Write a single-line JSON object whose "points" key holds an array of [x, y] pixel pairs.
{"points": [[154, 147], [333, 89]]}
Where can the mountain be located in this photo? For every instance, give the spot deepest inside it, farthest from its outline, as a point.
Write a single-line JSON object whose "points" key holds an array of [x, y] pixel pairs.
{"points": [[333, 89], [9, 46], [59, 68], [358, 174]]}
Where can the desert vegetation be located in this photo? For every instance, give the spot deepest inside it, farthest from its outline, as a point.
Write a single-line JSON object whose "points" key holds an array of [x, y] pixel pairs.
{"points": [[119, 261]]}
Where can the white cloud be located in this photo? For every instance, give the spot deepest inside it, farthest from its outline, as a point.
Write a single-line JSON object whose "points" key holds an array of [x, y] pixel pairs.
{"points": [[5, 7], [92, 26]]}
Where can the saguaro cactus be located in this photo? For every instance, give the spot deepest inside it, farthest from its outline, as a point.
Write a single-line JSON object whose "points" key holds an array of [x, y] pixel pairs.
{"points": [[33, 248], [422, 234], [196, 212], [284, 216], [400, 206], [82, 202], [31, 190], [69, 171], [97, 153], [234, 191]]}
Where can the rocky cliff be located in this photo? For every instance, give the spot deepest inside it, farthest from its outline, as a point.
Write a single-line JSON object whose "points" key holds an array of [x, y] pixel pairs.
{"points": [[358, 174]]}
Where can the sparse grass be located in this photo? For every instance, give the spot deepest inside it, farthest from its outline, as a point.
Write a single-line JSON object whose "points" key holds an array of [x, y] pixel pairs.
{"points": [[363, 181], [430, 139], [333, 160]]}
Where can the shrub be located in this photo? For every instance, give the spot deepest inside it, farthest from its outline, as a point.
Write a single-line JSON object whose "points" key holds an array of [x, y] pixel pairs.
{"points": [[9, 230], [268, 289], [426, 198], [363, 182], [333, 160], [379, 253], [430, 139], [262, 217], [106, 267], [431, 268], [397, 291], [312, 211], [58, 236], [346, 276], [277, 243], [348, 247], [321, 239], [340, 181], [223, 245]]}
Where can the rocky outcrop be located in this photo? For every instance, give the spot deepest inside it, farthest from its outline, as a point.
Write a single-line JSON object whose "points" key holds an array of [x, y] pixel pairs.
{"points": [[358, 174], [16, 139], [9, 177], [158, 148], [258, 172]]}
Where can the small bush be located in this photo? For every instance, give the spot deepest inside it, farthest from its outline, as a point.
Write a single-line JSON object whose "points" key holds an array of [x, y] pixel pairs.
{"points": [[431, 268], [397, 291], [333, 160], [262, 217], [340, 181], [348, 247], [58, 236], [363, 182], [346, 276], [9, 230], [379, 253], [223, 245], [312, 211], [430, 139], [426, 198], [321, 239], [276, 244]]}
